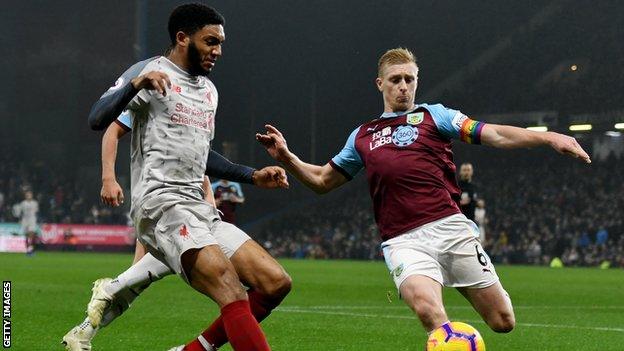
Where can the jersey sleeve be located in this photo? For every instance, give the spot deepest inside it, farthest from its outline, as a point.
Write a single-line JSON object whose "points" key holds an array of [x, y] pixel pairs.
{"points": [[455, 125], [125, 121], [220, 167], [117, 98], [348, 162]]}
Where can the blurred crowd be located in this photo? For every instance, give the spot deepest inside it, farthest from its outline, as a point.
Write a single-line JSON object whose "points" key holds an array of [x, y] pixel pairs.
{"points": [[555, 208], [342, 226], [535, 206], [60, 195], [533, 212]]}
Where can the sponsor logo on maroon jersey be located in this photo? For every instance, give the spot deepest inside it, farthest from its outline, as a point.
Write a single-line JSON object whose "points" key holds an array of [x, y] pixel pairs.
{"points": [[404, 135], [380, 138]]}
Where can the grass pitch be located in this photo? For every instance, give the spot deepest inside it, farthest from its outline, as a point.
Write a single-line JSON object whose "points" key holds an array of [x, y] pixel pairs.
{"points": [[334, 305]]}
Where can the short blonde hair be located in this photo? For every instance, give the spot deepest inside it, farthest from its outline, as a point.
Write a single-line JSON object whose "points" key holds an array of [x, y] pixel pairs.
{"points": [[396, 56]]}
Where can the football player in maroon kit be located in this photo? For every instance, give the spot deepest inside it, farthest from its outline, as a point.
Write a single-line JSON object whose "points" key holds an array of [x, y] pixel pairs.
{"points": [[406, 151]]}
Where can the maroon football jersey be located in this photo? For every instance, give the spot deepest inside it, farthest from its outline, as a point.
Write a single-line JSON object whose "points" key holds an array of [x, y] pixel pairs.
{"points": [[409, 165]]}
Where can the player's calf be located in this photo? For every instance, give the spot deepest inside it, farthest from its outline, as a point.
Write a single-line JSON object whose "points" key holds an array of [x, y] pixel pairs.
{"points": [[501, 318], [261, 273], [494, 305], [269, 285], [211, 273]]}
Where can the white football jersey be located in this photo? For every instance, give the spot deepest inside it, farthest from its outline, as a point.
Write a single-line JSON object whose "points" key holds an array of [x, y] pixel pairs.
{"points": [[171, 134]]}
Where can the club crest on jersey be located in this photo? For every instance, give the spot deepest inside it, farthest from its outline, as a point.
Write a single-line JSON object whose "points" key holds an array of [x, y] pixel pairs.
{"points": [[415, 118], [404, 136]]}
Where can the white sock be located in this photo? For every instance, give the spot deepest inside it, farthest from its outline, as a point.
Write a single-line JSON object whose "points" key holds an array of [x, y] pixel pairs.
{"points": [[139, 276], [130, 284]]}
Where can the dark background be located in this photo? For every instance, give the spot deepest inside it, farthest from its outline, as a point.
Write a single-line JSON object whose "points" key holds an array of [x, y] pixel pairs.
{"points": [[307, 67]]}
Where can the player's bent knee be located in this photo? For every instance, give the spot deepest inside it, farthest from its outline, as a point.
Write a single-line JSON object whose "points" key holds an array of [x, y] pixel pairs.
{"points": [[504, 323], [282, 286], [277, 285]]}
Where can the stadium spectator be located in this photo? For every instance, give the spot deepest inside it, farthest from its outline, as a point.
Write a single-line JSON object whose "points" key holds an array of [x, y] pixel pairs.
{"points": [[468, 199], [228, 196]]}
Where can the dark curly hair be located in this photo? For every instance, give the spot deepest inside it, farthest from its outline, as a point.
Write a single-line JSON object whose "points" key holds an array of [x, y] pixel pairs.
{"points": [[189, 18]]}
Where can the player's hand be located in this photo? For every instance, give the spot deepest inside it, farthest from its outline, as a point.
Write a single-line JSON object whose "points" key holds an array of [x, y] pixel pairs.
{"points": [[153, 80], [274, 142], [567, 145], [270, 177], [111, 193]]}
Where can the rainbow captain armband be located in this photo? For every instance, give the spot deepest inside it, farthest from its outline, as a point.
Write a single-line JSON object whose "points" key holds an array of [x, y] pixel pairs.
{"points": [[470, 131]]}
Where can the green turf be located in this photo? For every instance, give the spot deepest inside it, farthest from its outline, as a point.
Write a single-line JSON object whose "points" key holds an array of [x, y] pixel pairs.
{"points": [[334, 305]]}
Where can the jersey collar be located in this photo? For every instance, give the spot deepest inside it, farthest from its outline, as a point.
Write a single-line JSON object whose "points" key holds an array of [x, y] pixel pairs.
{"points": [[397, 114], [175, 67]]}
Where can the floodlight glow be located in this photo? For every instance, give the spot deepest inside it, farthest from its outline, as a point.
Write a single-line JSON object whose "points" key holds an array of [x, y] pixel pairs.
{"points": [[580, 127], [538, 128], [619, 126]]}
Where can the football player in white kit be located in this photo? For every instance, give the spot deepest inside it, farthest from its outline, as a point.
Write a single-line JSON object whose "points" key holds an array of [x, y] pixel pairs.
{"points": [[173, 106], [27, 212], [268, 282]]}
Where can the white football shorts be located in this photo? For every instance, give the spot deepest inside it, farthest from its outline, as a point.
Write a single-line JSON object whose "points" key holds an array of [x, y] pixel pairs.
{"points": [[447, 250], [171, 226]]}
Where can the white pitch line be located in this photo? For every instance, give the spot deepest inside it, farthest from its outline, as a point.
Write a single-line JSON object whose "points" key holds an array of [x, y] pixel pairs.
{"points": [[360, 307], [370, 315]]}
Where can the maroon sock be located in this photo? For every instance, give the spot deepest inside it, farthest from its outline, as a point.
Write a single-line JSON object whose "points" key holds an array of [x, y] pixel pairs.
{"points": [[261, 306], [242, 329]]}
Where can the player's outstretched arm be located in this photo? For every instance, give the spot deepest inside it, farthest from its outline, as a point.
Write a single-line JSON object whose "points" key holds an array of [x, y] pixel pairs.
{"points": [[321, 179], [508, 137], [111, 192], [269, 177]]}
